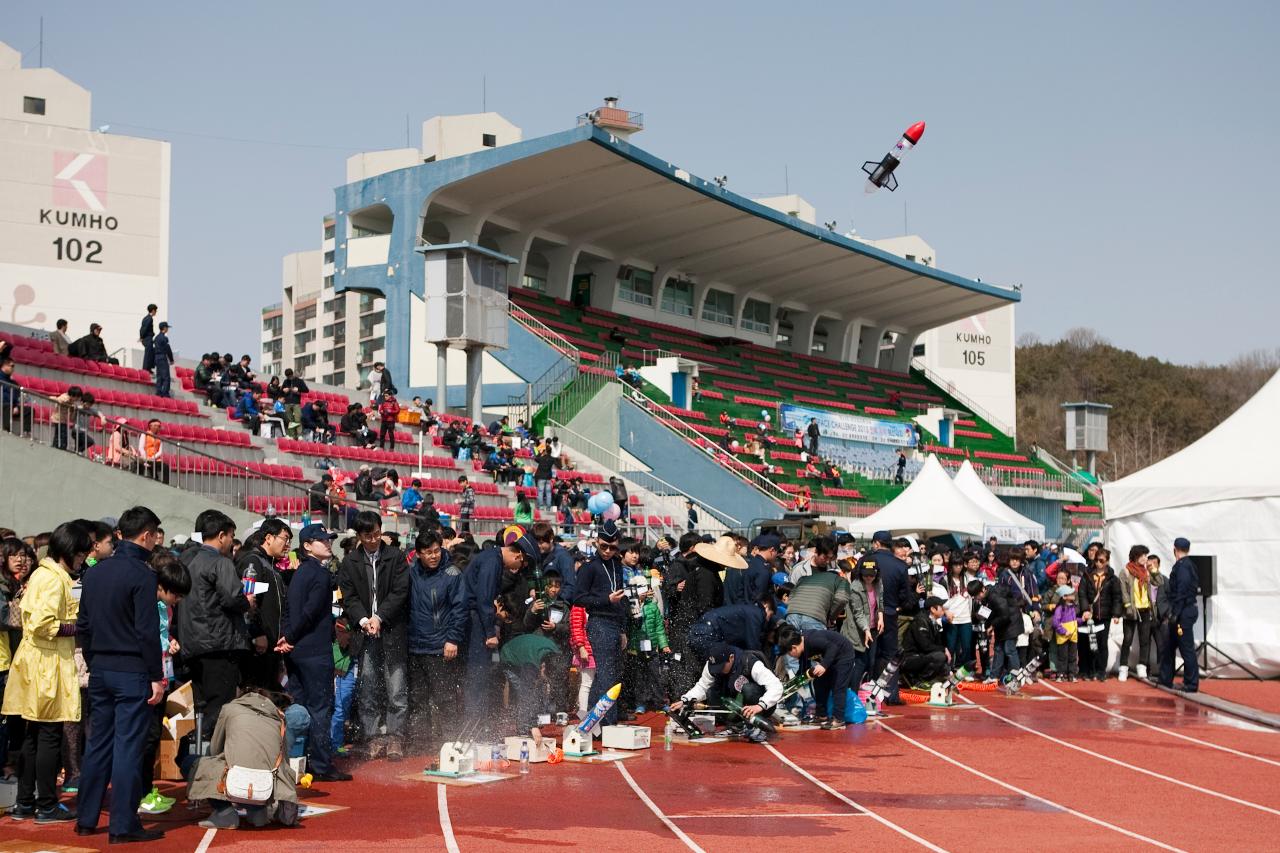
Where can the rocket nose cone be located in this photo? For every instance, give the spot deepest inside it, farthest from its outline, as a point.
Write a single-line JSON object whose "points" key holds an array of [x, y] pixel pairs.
{"points": [[614, 692], [915, 132]]}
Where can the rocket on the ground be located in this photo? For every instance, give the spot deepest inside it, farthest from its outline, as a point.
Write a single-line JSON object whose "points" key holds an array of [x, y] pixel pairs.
{"points": [[881, 174]]}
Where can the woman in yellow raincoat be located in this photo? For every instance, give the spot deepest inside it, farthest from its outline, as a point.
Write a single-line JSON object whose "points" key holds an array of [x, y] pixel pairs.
{"points": [[44, 687]]}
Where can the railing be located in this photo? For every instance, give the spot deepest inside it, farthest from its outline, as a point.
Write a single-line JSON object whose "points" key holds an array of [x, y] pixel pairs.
{"points": [[569, 401], [954, 392], [554, 379], [89, 435], [645, 480], [537, 327], [1067, 471]]}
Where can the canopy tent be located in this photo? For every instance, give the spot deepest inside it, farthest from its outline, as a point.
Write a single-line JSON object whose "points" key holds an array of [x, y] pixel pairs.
{"points": [[1222, 493], [1006, 524], [931, 505]]}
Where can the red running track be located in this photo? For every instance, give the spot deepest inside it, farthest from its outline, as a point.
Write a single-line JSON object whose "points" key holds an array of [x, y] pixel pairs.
{"points": [[1008, 774]]}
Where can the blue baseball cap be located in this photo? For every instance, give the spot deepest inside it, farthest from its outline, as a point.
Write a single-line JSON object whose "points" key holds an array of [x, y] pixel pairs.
{"points": [[315, 533], [765, 541], [1182, 544], [882, 536]]}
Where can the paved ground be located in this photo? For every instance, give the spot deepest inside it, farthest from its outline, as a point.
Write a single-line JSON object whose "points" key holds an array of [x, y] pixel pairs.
{"points": [[1110, 766]]}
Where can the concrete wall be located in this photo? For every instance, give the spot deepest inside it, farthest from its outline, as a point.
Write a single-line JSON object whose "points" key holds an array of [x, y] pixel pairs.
{"points": [[46, 487], [674, 460], [598, 419]]}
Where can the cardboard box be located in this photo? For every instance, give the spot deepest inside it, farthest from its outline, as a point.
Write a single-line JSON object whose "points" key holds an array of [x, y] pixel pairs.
{"points": [[181, 702], [536, 754], [625, 737], [167, 762]]}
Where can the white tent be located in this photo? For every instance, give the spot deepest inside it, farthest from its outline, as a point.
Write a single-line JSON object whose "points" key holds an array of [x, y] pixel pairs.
{"points": [[931, 505], [1222, 493], [1006, 524]]}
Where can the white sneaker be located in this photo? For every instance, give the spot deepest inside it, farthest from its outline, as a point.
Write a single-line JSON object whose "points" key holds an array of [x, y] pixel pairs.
{"points": [[1142, 671], [1124, 673]]}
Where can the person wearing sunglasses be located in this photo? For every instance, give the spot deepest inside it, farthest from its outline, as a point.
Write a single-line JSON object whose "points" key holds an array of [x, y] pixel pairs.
{"points": [[1100, 604]]}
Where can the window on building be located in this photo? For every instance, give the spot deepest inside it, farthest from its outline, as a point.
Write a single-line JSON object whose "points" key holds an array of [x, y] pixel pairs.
{"points": [[273, 325], [489, 140], [337, 355], [369, 348], [368, 302], [339, 378], [718, 307], [271, 350], [677, 297], [328, 257], [819, 346], [302, 340], [33, 106], [337, 307], [303, 316], [635, 286], [369, 321], [303, 363], [785, 331], [329, 230], [335, 333], [756, 316], [328, 282], [534, 282]]}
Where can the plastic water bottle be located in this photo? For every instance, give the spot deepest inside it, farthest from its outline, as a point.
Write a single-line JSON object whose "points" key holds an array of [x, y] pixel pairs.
{"points": [[668, 735], [524, 758], [250, 578], [495, 756]]}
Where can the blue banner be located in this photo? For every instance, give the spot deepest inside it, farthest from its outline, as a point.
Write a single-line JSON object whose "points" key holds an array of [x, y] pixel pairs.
{"points": [[847, 427]]}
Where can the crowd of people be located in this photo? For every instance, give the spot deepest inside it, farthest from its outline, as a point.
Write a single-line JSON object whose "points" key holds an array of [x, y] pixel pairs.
{"points": [[384, 648]]}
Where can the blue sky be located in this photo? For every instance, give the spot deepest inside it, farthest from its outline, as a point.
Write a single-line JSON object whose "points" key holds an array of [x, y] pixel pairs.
{"points": [[1113, 158]]}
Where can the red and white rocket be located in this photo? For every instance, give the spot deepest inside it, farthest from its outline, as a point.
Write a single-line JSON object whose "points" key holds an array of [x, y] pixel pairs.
{"points": [[881, 174]]}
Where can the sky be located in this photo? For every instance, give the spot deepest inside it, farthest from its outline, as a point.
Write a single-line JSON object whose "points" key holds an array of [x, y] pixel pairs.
{"points": [[1114, 159]]}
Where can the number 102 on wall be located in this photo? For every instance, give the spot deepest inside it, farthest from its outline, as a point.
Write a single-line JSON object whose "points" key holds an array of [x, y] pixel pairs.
{"points": [[76, 250]]}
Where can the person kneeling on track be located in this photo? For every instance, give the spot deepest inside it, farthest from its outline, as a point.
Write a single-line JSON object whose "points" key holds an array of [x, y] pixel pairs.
{"points": [[731, 671], [925, 655], [832, 672]]}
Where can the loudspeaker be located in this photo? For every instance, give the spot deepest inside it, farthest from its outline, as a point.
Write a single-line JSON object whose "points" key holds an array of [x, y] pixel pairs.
{"points": [[1207, 573]]}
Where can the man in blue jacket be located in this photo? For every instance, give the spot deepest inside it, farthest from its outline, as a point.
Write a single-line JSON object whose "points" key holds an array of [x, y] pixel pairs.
{"points": [[741, 625], [746, 586], [1180, 591], [483, 581], [119, 631], [308, 643], [899, 594], [601, 593], [437, 626], [555, 556]]}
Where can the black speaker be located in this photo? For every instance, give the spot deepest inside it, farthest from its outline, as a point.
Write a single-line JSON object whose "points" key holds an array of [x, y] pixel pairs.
{"points": [[1207, 573]]}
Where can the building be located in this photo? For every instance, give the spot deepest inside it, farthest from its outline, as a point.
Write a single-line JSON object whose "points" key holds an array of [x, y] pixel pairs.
{"points": [[85, 211], [324, 336]]}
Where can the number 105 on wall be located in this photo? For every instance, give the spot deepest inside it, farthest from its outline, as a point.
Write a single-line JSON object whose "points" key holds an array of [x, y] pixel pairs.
{"points": [[974, 358], [77, 250]]}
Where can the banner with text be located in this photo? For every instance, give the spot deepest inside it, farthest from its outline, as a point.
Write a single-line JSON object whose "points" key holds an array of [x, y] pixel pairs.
{"points": [[848, 427]]}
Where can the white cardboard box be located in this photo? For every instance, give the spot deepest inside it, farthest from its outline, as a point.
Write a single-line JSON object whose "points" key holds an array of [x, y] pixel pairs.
{"points": [[625, 737], [536, 754]]}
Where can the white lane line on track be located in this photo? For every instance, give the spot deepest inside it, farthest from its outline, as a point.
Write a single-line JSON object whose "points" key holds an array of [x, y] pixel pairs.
{"points": [[653, 807], [1125, 764], [1161, 729], [1137, 836], [784, 814], [446, 825], [848, 802], [207, 840]]}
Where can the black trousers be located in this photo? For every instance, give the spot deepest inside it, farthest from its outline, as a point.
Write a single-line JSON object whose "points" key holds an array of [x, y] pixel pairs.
{"points": [[215, 677], [1094, 664], [1142, 626], [387, 431], [925, 668], [435, 697], [835, 682], [38, 765], [263, 670]]}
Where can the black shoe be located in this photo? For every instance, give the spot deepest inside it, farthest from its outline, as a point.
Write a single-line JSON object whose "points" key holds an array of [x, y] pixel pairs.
{"points": [[140, 835], [1163, 684], [333, 776], [22, 812], [57, 814], [1185, 689], [81, 829]]}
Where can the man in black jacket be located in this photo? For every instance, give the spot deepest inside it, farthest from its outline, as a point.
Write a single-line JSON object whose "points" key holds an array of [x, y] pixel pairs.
{"points": [[1180, 594], [741, 625], [899, 594], [437, 627], [925, 658], [293, 388], [211, 621], [1004, 621], [601, 593], [306, 639], [91, 346], [262, 666], [684, 606], [146, 337], [374, 581], [119, 630]]}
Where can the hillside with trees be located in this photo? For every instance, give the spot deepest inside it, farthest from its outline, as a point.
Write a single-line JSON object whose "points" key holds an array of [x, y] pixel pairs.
{"points": [[1159, 407]]}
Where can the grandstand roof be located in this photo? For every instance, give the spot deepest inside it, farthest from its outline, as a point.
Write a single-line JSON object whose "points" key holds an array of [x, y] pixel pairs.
{"points": [[588, 188]]}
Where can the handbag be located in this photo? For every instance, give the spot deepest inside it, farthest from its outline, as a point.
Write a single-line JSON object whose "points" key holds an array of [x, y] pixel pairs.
{"points": [[252, 786]]}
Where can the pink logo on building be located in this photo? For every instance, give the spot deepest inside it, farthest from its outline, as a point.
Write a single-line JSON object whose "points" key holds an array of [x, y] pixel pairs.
{"points": [[79, 180]]}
